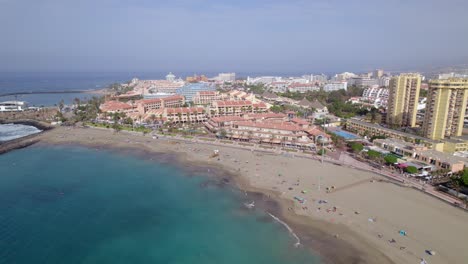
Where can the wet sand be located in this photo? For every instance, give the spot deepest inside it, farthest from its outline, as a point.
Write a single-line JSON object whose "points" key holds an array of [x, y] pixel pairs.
{"points": [[361, 215]]}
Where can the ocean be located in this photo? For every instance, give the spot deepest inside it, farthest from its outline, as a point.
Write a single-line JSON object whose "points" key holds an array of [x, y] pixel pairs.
{"points": [[59, 81], [26, 82], [66, 204]]}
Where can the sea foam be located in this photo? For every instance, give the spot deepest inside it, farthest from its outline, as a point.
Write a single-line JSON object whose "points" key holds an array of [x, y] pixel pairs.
{"points": [[14, 131]]}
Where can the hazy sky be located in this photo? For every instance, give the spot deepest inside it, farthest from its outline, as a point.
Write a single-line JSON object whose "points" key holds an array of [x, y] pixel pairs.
{"points": [[231, 35]]}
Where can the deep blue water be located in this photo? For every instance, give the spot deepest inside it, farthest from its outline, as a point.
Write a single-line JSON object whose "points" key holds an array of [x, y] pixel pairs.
{"points": [[77, 205], [25, 82], [54, 81]]}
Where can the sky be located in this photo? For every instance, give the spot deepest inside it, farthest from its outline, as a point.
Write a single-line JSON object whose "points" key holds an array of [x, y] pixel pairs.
{"points": [[231, 35]]}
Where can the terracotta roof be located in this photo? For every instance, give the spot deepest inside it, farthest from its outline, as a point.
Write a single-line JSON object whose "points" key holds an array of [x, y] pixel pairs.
{"points": [[184, 110], [233, 103], [219, 119], [287, 126], [300, 121], [266, 115], [114, 106], [165, 99], [316, 132], [260, 105], [207, 92]]}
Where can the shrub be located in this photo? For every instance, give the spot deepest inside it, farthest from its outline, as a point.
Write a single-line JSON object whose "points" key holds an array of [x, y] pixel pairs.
{"points": [[372, 154], [390, 159], [411, 169], [356, 147]]}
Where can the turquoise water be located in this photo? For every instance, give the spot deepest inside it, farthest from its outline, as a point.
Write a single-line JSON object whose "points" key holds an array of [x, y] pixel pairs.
{"points": [[344, 134], [77, 205]]}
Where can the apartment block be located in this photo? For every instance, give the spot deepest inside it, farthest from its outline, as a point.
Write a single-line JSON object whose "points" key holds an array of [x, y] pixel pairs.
{"points": [[445, 108], [403, 100]]}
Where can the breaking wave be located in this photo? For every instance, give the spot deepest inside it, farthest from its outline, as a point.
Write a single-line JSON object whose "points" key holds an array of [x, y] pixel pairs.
{"points": [[14, 131]]}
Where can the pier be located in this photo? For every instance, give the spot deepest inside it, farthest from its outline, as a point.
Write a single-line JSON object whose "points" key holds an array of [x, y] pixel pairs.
{"points": [[45, 92]]}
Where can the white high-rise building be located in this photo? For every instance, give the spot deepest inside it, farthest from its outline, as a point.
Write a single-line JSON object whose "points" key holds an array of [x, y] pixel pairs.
{"points": [[335, 86], [227, 77], [170, 77], [384, 81], [318, 78], [343, 76]]}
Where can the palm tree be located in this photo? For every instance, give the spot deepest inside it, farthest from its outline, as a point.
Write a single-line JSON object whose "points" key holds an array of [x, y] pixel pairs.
{"points": [[153, 118], [249, 135], [179, 116], [61, 105]]}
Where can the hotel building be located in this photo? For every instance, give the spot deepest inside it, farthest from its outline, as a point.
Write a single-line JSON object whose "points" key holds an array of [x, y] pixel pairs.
{"points": [[206, 97], [445, 108], [167, 102], [236, 107], [403, 100], [178, 115], [335, 86]]}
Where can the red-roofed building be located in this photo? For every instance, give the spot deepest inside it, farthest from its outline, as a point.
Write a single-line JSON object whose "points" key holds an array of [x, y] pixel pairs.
{"points": [[266, 116], [236, 108], [178, 115], [214, 124], [285, 133], [303, 123], [115, 107], [318, 135], [167, 102]]}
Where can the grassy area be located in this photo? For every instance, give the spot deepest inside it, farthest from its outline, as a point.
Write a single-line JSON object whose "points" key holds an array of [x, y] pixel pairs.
{"points": [[190, 137], [267, 147], [246, 144], [227, 141], [290, 150], [121, 127], [207, 139]]}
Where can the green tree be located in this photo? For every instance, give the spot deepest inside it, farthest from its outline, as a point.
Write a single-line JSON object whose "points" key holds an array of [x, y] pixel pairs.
{"points": [[356, 147], [277, 108], [372, 154], [222, 133], [422, 93], [411, 169], [464, 177], [390, 159], [322, 152]]}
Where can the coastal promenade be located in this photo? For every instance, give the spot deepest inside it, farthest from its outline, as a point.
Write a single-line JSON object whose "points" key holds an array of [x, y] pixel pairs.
{"points": [[344, 159]]}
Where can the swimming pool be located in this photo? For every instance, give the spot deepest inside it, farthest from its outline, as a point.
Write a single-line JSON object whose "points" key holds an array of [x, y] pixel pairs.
{"points": [[344, 134]]}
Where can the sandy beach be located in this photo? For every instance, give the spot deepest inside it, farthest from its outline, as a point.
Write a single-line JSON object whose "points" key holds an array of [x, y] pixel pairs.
{"points": [[362, 214]]}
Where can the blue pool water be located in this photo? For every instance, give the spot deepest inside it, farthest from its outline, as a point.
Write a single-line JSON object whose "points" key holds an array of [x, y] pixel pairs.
{"points": [[344, 134]]}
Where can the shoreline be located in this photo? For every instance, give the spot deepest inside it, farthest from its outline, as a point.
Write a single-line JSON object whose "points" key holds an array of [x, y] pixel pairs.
{"points": [[314, 236], [323, 232]]}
